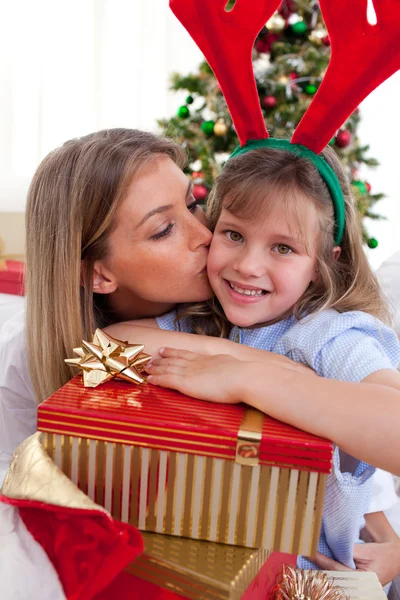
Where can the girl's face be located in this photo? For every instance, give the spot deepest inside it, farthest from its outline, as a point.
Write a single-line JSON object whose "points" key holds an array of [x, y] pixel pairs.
{"points": [[259, 269], [158, 249]]}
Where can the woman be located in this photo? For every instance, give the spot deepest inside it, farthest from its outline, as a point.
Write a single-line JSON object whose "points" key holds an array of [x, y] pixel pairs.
{"points": [[97, 252]]}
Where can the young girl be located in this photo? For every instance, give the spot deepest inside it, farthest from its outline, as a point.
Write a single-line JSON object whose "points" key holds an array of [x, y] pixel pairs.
{"points": [[282, 284]]}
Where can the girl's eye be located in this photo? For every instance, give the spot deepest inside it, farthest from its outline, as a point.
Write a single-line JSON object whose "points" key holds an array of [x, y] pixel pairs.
{"points": [[282, 249], [164, 232], [193, 205], [234, 236]]}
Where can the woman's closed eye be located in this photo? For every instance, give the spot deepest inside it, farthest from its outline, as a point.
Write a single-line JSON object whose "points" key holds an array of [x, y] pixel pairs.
{"points": [[164, 232]]}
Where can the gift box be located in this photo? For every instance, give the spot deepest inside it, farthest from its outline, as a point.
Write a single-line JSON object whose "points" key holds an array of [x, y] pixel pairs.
{"points": [[175, 465], [206, 570], [12, 277]]}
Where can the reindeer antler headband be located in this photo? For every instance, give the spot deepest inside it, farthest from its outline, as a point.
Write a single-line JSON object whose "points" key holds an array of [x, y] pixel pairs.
{"points": [[226, 40]]}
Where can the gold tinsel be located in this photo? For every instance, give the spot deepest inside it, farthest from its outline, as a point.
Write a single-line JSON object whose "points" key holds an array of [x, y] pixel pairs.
{"points": [[295, 584]]}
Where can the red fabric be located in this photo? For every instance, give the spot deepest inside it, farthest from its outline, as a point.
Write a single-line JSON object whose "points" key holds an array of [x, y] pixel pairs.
{"points": [[226, 40], [371, 51], [86, 547], [12, 277]]}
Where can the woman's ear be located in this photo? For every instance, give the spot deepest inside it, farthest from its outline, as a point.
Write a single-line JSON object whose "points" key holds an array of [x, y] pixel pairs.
{"points": [[336, 251], [103, 280]]}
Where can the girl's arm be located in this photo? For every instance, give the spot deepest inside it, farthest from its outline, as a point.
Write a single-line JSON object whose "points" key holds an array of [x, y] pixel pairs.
{"points": [[147, 332], [361, 418]]}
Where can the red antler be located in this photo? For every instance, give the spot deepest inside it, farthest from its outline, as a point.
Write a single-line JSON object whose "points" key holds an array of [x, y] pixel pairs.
{"points": [[363, 57], [226, 40]]}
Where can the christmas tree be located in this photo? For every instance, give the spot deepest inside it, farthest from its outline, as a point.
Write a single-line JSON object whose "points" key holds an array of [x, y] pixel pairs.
{"points": [[290, 56]]}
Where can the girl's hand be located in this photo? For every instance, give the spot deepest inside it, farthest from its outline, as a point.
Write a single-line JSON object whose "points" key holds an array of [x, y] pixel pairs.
{"points": [[383, 559], [214, 378]]}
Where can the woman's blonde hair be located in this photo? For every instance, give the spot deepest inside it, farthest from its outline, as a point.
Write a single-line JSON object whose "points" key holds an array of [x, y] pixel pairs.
{"points": [[251, 184], [72, 202]]}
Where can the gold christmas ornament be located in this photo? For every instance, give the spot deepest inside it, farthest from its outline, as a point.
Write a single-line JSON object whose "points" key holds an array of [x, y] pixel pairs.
{"points": [[220, 128], [106, 358], [294, 584], [283, 79], [317, 35], [276, 23]]}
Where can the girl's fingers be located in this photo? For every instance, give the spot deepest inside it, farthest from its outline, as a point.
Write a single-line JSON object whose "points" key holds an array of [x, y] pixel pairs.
{"points": [[177, 353], [163, 369]]}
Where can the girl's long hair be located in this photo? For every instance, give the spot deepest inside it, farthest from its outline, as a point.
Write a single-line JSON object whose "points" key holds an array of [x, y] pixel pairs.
{"points": [[71, 206], [251, 185]]}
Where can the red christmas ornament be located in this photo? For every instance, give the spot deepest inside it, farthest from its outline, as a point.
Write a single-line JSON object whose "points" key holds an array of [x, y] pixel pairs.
{"points": [[269, 102], [287, 8], [293, 75], [262, 46], [343, 138], [368, 186], [326, 40], [197, 175], [200, 192]]}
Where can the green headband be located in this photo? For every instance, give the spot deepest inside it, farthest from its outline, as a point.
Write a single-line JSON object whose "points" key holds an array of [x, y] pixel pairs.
{"points": [[324, 169]]}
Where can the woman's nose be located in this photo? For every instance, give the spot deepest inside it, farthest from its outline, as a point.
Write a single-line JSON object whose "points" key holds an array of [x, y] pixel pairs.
{"points": [[199, 234]]}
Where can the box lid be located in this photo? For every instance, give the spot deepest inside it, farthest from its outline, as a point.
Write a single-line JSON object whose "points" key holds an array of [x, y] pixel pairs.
{"points": [[150, 416]]}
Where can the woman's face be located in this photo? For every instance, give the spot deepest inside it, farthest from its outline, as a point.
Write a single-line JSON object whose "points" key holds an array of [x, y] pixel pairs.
{"points": [[158, 249]]}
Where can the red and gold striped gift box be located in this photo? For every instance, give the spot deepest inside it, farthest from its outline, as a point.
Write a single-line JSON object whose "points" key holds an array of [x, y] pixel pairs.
{"points": [[172, 464]]}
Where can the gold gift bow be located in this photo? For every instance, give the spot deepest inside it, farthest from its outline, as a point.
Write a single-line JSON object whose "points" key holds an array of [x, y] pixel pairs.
{"points": [[298, 584], [106, 358]]}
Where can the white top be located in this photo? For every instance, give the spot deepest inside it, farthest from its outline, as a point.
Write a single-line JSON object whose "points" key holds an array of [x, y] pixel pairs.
{"points": [[18, 408]]}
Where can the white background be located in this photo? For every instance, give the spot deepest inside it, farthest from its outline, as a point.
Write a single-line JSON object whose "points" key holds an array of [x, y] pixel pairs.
{"points": [[68, 67]]}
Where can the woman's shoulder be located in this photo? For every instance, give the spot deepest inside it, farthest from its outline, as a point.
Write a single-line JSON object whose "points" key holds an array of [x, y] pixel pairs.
{"points": [[15, 381], [12, 335]]}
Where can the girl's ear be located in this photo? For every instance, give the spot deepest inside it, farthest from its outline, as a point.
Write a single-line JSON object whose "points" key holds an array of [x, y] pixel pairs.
{"points": [[103, 280], [336, 251]]}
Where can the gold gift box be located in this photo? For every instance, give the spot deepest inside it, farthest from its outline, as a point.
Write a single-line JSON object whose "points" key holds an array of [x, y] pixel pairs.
{"points": [[203, 570], [171, 464]]}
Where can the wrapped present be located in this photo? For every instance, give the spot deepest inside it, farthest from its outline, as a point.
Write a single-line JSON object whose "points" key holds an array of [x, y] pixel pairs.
{"points": [[11, 277], [177, 568], [292, 584], [175, 465], [198, 569]]}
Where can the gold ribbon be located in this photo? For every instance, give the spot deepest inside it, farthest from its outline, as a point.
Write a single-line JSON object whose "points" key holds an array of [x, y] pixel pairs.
{"points": [[298, 584], [249, 438], [106, 358]]}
